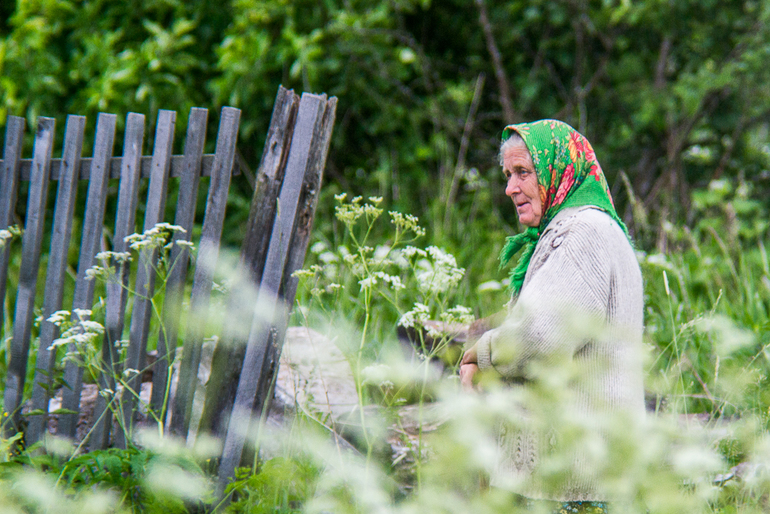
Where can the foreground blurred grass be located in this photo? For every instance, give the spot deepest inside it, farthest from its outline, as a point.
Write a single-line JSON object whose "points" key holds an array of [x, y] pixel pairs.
{"points": [[707, 302]]}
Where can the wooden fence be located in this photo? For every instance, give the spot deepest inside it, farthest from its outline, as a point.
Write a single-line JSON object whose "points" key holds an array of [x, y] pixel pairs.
{"points": [[273, 246]]}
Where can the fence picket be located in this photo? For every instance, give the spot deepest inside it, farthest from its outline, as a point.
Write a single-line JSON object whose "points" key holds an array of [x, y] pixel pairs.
{"points": [[9, 183], [93, 223], [30, 261], [57, 268], [146, 275], [179, 257], [117, 290], [208, 253]]}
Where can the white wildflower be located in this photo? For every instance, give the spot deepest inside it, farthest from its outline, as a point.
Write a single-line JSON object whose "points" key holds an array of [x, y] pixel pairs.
{"points": [[185, 244], [328, 257], [171, 228], [458, 314], [82, 313], [368, 282], [411, 251], [393, 280], [406, 222], [334, 287], [59, 317], [318, 247], [440, 275], [375, 374], [417, 316], [95, 272], [371, 211], [92, 326], [381, 252]]}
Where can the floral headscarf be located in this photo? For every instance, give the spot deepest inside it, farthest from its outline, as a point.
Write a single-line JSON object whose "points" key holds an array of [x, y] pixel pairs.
{"points": [[569, 176]]}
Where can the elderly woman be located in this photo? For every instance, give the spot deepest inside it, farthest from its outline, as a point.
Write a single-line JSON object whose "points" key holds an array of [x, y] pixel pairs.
{"points": [[576, 260]]}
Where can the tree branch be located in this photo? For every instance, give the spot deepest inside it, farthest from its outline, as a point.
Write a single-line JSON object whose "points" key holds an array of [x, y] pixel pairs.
{"points": [[509, 114]]}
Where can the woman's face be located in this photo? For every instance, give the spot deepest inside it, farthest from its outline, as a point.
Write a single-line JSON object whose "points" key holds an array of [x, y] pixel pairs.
{"points": [[522, 185]]}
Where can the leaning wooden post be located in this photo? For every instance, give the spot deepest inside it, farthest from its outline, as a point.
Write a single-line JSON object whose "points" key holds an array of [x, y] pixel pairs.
{"points": [[270, 310], [229, 352], [299, 242]]}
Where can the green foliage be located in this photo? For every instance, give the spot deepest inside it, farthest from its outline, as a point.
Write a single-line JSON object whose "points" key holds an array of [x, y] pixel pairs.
{"points": [[282, 485]]}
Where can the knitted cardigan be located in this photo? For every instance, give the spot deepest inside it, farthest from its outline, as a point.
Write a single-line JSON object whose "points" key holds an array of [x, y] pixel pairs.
{"points": [[583, 265]]}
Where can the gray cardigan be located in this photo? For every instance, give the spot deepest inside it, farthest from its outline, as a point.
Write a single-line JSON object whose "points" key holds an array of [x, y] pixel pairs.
{"points": [[580, 305]]}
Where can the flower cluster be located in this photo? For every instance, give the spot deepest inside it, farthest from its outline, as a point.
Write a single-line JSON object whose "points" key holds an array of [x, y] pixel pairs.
{"points": [[77, 329], [406, 222], [416, 317], [458, 314], [439, 273], [393, 280], [349, 213], [156, 237]]}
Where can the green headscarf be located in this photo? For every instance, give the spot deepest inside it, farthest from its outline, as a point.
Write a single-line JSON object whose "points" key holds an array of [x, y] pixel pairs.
{"points": [[569, 176]]}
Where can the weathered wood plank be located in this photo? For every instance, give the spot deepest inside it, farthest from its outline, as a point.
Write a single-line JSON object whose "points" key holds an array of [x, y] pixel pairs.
{"points": [[31, 242], [57, 269], [228, 356], [180, 257], [146, 275], [208, 253], [269, 309], [93, 227], [177, 167], [14, 132], [117, 290], [299, 243]]}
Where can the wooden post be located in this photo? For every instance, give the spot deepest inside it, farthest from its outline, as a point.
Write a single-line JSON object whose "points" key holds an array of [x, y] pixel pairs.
{"points": [[270, 311], [228, 354]]}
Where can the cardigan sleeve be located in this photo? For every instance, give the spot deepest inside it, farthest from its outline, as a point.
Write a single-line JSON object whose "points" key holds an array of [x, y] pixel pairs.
{"points": [[563, 301]]}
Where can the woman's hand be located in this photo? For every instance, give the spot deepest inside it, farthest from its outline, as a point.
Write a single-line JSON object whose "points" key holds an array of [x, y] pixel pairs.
{"points": [[467, 372], [469, 366]]}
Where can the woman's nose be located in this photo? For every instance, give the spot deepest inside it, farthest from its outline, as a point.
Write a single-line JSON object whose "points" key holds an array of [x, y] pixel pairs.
{"points": [[512, 187]]}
